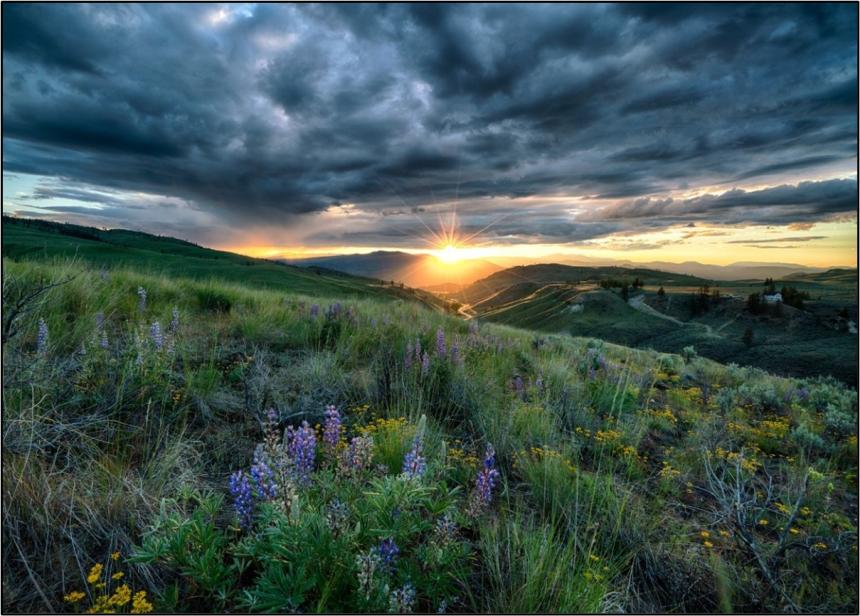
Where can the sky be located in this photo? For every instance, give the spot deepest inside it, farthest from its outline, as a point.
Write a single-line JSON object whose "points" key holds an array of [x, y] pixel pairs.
{"points": [[710, 132]]}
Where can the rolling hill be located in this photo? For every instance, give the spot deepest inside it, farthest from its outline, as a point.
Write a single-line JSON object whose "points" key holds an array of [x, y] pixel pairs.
{"points": [[569, 299], [416, 270], [25, 239]]}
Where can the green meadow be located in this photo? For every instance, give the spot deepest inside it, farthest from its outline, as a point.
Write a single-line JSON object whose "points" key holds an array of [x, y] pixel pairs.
{"points": [[155, 455]]}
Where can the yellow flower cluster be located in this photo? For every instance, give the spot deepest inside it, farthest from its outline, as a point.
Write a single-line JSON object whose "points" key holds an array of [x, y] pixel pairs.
{"points": [[666, 414], [107, 602], [748, 463], [667, 472], [607, 436], [542, 454], [383, 425], [460, 456]]}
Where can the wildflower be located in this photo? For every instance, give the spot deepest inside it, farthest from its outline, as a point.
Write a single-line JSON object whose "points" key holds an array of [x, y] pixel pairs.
{"points": [[118, 575], [417, 349], [121, 596], [793, 531], [100, 321], [301, 449], [704, 534], [74, 596], [402, 600], [156, 335], [455, 353], [141, 293], [519, 388], [337, 515], [487, 477], [315, 310], [414, 463], [763, 522], [593, 557], [174, 321], [263, 478], [440, 342], [367, 565], [708, 544], [473, 327], [331, 434], [820, 546], [725, 533], [539, 384], [446, 529], [139, 604], [243, 502], [407, 359], [425, 364], [388, 551], [358, 456], [95, 573], [42, 337]]}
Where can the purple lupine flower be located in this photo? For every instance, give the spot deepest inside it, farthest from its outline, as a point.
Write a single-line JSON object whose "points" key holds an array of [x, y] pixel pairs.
{"points": [[455, 353], [417, 349], [141, 294], [440, 342], [425, 364], [243, 498], [414, 463], [539, 384], [337, 515], [333, 311], [407, 359], [373, 323], [359, 455], [42, 337], [519, 387], [388, 551], [301, 449], [174, 321], [272, 417], [263, 478], [487, 477], [156, 335], [402, 600], [100, 321], [315, 310], [104, 340], [803, 393], [446, 529], [331, 433]]}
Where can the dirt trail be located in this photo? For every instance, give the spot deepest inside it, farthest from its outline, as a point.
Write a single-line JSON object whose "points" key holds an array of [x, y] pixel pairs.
{"points": [[638, 303]]}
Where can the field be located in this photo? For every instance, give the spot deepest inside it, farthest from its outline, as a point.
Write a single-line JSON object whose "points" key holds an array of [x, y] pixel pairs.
{"points": [[155, 455]]}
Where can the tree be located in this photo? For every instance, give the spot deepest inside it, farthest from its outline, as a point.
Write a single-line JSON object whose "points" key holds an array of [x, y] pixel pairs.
{"points": [[748, 337], [625, 292], [754, 305], [661, 292]]}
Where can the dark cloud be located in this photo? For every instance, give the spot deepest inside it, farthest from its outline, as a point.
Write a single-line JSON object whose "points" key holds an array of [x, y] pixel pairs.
{"points": [[264, 114]]}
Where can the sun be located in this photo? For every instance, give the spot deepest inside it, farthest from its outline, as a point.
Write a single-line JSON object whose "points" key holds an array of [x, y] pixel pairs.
{"points": [[449, 254]]}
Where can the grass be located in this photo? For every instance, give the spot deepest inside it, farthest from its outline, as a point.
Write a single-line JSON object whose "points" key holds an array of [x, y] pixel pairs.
{"points": [[613, 461]]}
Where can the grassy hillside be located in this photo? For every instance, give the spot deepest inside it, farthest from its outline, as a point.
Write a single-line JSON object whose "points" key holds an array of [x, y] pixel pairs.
{"points": [[40, 240], [563, 299], [619, 479]]}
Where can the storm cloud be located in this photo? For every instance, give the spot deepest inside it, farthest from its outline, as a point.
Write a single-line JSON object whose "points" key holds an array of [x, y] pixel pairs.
{"points": [[274, 114]]}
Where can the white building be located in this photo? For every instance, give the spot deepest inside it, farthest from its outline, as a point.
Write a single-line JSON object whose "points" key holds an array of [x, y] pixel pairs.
{"points": [[773, 298]]}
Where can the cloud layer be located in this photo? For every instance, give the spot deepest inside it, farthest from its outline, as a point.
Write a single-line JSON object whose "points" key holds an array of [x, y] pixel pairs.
{"points": [[552, 123]]}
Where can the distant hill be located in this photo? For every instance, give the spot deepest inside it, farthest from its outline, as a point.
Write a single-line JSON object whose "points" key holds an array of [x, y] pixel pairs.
{"points": [[569, 299], [416, 270], [27, 239]]}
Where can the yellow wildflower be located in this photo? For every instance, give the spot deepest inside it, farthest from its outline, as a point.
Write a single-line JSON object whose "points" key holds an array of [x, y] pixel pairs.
{"points": [[725, 533], [704, 534], [763, 522], [793, 531], [118, 575], [121, 595], [74, 596], [115, 556], [140, 605], [594, 557], [95, 573], [708, 544], [820, 546]]}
